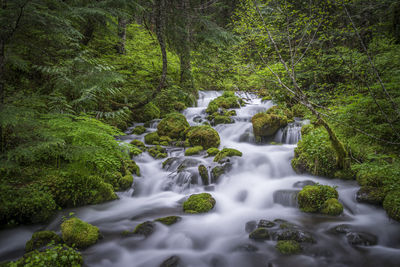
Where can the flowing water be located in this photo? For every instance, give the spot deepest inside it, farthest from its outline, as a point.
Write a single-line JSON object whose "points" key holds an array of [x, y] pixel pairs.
{"points": [[260, 185]]}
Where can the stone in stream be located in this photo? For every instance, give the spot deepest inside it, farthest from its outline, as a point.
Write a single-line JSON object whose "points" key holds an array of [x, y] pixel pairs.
{"points": [[370, 195], [288, 247], [204, 136], [287, 198], [217, 171], [353, 236], [203, 172], [169, 220], [41, 239], [250, 226], [294, 234], [301, 184], [173, 125], [199, 203], [80, 233], [146, 228], [260, 234], [246, 248], [265, 224], [172, 261]]}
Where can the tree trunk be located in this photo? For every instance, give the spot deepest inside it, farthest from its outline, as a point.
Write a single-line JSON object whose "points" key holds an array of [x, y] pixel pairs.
{"points": [[184, 53], [122, 23], [89, 30]]}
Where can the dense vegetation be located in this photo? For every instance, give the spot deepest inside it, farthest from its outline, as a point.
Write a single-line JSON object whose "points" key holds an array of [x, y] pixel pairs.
{"points": [[74, 74]]}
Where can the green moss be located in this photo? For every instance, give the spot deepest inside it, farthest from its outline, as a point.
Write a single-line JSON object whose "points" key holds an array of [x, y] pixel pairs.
{"points": [[147, 113], [266, 98], [166, 139], [169, 220], [203, 172], [146, 228], [173, 125], [80, 233], [227, 152], [59, 255], [179, 106], [130, 166], [216, 172], [151, 138], [332, 207], [138, 144], [212, 108], [193, 150], [371, 195], [41, 239], [157, 152], [230, 113], [288, 247], [222, 119], [391, 204], [312, 197], [139, 130], [212, 151], [199, 203], [266, 125], [260, 233], [204, 136], [126, 182], [226, 101]]}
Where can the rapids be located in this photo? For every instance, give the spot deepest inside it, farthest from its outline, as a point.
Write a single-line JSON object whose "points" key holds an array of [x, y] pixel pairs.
{"points": [[260, 185]]}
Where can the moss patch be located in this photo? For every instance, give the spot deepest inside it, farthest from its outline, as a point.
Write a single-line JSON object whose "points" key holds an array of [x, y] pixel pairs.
{"points": [[260, 233], [80, 233], [193, 150], [158, 152], [138, 144], [41, 239], [139, 130], [265, 125], [152, 138], [203, 172], [227, 152], [199, 203], [332, 207], [169, 220], [147, 113], [312, 197], [212, 151], [173, 125], [204, 136], [288, 247], [391, 204]]}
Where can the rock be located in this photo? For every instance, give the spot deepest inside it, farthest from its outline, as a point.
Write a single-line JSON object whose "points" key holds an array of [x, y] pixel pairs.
{"points": [[230, 113], [139, 130], [391, 204], [371, 195], [126, 182], [138, 144], [266, 125], [152, 138], [246, 248], [203, 172], [199, 203], [265, 224], [173, 125], [146, 228], [169, 220], [294, 234], [226, 101], [204, 136], [198, 119], [221, 119], [301, 184], [260, 234], [217, 171], [361, 239], [227, 152], [250, 226], [41, 239], [131, 167], [193, 150], [188, 163], [287, 198], [332, 207], [212, 151], [341, 229], [288, 247], [78, 232], [172, 261], [168, 163], [157, 152], [312, 197]]}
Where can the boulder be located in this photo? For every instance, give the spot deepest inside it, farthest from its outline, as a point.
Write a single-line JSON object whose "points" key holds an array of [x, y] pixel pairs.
{"points": [[170, 220], [173, 125], [260, 234], [41, 239], [227, 152], [203, 172], [199, 203], [193, 150], [312, 197], [204, 136], [288, 247], [78, 232]]}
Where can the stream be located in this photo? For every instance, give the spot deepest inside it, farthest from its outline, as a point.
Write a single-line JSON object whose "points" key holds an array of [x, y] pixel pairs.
{"points": [[260, 185]]}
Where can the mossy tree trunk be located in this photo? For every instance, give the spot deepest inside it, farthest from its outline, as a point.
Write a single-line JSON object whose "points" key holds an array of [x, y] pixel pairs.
{"points": [[122, 23]]}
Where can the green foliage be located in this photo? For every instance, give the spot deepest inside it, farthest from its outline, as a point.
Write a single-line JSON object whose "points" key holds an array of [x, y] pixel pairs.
{"points": [[79, 233], [193, 150], [204, 136], [227, 100], [391, 204], [288, 247], [139, 130], [41, 239], [313, 198], [147, 113], [199, 203], [227, 152]]}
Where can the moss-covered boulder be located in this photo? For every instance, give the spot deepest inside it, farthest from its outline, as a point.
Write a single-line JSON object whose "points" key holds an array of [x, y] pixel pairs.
{"points": [[131, 167], [199, 203], [138, 144], [288, 247], [80, 233], [169, 220], [203, 172], [227, 152], [41, 239], [371, 195], [157, 152], [204, 136], [152, 138], [265, 125], [126, 182], [222, 119], [260, 234], [179, 106], [173, 125], [165, 140], [139, 130], [212, 151], [313, 198], [332, 207], [147, 113], [146, 228], [391, 204], [193, 150]]}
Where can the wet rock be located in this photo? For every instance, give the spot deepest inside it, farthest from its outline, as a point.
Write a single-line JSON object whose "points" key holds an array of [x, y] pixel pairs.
{"points": [[80, 233], [198, 119], [170, 220], [288, 247], [301, 184], [265, 224], [287, 198], [340, 229], [199, 203], [204, 136], [294, 234], [260, 234], [172, 261], [173, 125], [41, 239], [370, 195], [227, 152], [203, 172], [193, 150], [246, 248], [251, 226], [168, 163], [139, 130], [312, 198], [217, 171], [146, 228], [332, 207], [212, 151], [361, 239], [188, 163]]}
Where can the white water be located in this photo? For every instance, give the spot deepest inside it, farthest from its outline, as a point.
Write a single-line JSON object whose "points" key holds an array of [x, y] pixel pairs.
{"points": [[261, 185]]}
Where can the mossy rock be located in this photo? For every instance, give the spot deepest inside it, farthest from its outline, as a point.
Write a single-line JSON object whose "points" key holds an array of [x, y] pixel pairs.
{"points": [[212, 151], [266, 98], [332, 207], [80, 233], [199, 203], [227, 152], [371, 195], [204, 136], [391, 204], [126, 182], [222, 119], [266, 125], [138, 144], [169, 220], [139, 130], [157, 152], [41, 239], [130, 166], [173, 125], [212, 108], [288, 247], [312, 197], [179, 106], [260, 234], [203, 172], [152, 138], [226, 101], [165, 140], [230, 113], [146, 228], [147, 113], [193, 150]]}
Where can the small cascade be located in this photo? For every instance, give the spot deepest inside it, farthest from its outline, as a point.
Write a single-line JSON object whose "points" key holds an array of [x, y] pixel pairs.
{"points": [[291, 134]]}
